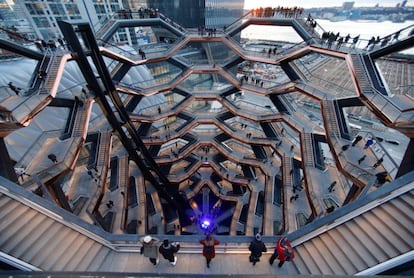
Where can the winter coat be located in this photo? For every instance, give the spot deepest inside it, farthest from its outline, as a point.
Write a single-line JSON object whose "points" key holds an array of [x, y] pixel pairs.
{"points": [[209, 251], [284, 250], [169, 251], [256, 248], [150, 249]]}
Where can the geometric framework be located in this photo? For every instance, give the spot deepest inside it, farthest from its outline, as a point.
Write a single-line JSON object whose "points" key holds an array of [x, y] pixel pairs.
{"points": [[210, 142]]}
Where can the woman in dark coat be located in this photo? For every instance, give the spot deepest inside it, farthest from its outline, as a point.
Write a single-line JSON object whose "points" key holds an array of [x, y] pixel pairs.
{"points": [[256, 247], [209, 252]]}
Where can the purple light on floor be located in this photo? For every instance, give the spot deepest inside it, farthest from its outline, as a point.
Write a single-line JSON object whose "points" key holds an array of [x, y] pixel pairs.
{"points": [[205, 223]]}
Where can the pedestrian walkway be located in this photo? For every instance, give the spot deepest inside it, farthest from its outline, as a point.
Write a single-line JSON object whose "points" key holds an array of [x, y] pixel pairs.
{"points": [[195, 264]]}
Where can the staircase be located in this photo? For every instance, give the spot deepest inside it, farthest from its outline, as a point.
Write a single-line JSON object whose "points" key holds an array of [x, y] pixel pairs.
{"points": [[329, 116], [367, 240], [361, 75], [52, 72], [100, 34], [45, 243], [287, 168], [48, 238], [307, 149]]}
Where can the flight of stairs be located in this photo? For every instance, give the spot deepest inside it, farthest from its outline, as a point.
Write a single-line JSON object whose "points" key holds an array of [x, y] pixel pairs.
{"points": [[39, 240], [378, 235]]}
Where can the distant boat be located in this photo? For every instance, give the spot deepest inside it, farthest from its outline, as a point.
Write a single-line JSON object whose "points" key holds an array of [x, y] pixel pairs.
{"points": [[396, 18], [338, 18]]}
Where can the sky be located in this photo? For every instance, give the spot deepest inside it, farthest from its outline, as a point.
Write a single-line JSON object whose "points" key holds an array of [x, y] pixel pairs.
{"points": [[249, 4]]}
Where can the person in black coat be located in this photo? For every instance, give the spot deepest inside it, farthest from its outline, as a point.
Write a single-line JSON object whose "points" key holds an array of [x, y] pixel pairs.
{"points": [[168, 251], [256, 247]]}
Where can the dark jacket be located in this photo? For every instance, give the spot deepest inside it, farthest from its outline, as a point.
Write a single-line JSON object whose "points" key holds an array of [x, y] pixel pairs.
{"points": [[257, 247], [169, 251]]}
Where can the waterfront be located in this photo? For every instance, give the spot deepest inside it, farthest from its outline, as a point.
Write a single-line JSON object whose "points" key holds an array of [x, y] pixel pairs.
{"points": [[366, 29]]}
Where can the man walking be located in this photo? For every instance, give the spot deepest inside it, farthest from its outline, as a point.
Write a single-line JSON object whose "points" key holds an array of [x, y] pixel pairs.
{"points": [[168, 251]]}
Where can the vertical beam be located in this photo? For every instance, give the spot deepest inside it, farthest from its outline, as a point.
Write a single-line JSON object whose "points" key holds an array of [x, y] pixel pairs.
{"points": [[6, 164], [407, 164], [129, 136]]}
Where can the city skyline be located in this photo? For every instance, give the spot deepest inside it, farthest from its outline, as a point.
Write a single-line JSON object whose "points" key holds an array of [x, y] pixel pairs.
{"points": [[249, 4]]}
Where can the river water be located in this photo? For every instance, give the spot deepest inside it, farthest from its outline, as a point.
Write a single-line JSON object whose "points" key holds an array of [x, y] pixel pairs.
{"points": [[366, 29]]}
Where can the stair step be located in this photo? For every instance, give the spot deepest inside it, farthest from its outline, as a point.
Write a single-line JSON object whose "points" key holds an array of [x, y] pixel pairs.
{"points": [[392, 242], [4, 201], [319, 258], [404, 233], [42, 242], [70, 242], [405, 205], [98, 260], [364, 244], [300, 264], [90, 255], [21, 228], [351, 246], [370, 235], [7, 209], [110, 257], [345, 264], [52, 248], [405, 220], [82, 253], [308, 260], [331, 258], [69, 254], [408, 198], [33, 236], [8, 220]]}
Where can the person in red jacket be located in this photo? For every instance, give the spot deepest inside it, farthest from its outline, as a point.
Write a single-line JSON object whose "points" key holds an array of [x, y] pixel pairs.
{"points": [[283, 252], [209, 251]]}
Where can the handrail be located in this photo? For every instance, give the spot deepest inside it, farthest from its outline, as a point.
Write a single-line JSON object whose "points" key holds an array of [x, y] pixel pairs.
{"points": [[339, 117], [95, 160], [378, 94], [391, 159], [394, 37], [331, 84], [25, 162], [119, 242], [246, 15], [171, 22], [70, 122], [377, 77], [351, 210], [102, 22]]}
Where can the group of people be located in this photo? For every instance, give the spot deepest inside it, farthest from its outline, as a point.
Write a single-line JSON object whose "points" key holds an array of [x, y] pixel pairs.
{"points": [[283, 251], [329, 38], [278, 11], [210, 31]]}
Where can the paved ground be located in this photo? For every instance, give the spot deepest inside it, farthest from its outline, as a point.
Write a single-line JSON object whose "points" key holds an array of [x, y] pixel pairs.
{"points": [[222, 265]]}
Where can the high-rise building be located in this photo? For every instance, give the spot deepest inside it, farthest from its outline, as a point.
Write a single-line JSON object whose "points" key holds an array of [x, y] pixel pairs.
{"points": [[220, 13], [42, 16], [187, 13], [192, 14]]}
